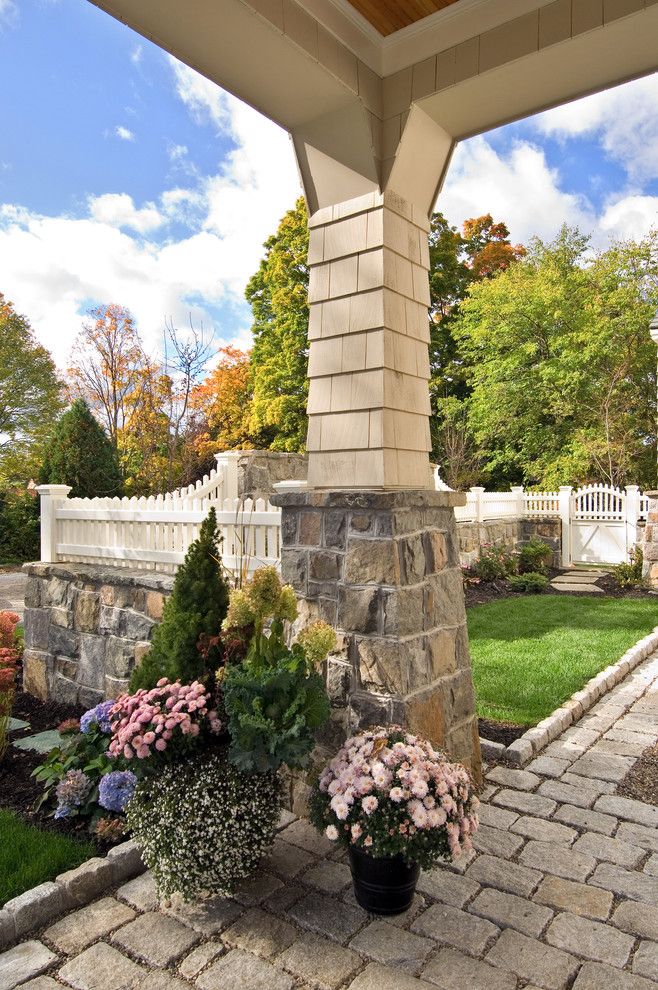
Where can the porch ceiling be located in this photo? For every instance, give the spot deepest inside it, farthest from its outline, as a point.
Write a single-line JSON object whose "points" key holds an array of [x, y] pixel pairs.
{"points": [[388, 16]]}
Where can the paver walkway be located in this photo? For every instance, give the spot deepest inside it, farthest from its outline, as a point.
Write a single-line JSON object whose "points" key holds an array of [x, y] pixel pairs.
{"points": [[12, 591], [561, 892]]}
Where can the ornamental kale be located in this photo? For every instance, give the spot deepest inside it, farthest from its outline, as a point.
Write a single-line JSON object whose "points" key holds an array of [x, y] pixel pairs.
{"points": [[116, 789]]}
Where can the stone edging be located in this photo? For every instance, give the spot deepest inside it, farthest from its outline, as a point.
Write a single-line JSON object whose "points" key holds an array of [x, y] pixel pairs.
{"points": [[522, 750], [38, 907]]}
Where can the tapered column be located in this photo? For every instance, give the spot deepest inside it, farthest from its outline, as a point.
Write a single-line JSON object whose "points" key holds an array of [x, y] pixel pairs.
{"points": [[369, 365]]}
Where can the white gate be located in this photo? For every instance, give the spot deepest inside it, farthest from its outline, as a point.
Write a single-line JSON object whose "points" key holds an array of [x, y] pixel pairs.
{"points": [[601, 529]]}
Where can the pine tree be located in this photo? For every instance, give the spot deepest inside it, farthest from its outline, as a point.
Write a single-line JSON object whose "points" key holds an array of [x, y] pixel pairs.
{"points": [[197, 606], [81, 455]]}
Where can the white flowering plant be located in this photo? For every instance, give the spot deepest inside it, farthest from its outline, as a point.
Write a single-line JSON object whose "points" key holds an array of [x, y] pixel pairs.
{"points": [[391, 793], [202, 826]]}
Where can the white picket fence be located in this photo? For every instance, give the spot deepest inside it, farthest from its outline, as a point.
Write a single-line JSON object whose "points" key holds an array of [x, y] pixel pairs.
{"points": [[155, 532], [599, 522]]}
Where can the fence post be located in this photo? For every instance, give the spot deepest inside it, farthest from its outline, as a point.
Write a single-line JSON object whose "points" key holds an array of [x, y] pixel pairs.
{"points": [[227, 463], [520, 500], [632, 515], [565, 519], [51, 497], [478, 492]]}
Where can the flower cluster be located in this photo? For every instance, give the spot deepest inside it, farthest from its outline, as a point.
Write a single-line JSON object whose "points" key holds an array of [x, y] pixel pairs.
{"points": [[71, 792], [317, 641], [392, 793], [8, 657], [98, 717], [116, 789], [261, 598], [169, 715], [109, 829]]}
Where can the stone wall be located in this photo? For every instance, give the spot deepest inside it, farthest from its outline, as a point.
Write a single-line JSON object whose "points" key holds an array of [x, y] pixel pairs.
{"points": [[260, 470], [511, 533], [86, 626]]}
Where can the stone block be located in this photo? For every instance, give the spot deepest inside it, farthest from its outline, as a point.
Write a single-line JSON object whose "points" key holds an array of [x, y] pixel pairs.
{"points": [[522, 780], [451, 926], [529, 804], [577, 898], [372, 562], [36, 666], [450, 969], [645, 962], [87, 881], [329, 877], [442, 646], [557, 859], [86, 612], [242, 971], [36, 907], [325, 565], [638, 919], [101, 967], [590, 939], [7, 928], [490, 814], [633, 811], [496, 842], [207, 917], [23, 962], [598, 976], [37, 625], [436, 551], [403, 611], [557, 790], [79, 929], [335, 530], [114, 686], [256, 889], [450, 888], [392, 946], [359, 609], [391, 666], [33, 595], [444, 599], [156, 938], [320, 962], [587, 819], [198, 959], [63, 642], [319, 914], [635, 886], [511, 877], [510, 911], [126, 861], [531, 960], [260, 933], [155, 602], [378, 977], [424, 716], [119, 657]]}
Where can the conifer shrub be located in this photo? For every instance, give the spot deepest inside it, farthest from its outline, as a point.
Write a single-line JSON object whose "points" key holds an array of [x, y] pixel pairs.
{"points": [[82, 456], [193, 613]]}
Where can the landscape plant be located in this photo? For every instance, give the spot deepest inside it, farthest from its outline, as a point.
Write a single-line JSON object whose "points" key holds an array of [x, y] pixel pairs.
{"points": [[535, 556], [275, 699], [81, 455], [529, 582], [390, 793], [631, 574], [495, 562], [196, 609], [9, 657]]}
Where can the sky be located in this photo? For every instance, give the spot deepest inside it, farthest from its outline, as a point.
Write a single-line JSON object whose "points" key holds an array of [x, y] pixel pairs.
{"points": [[126, 177]]}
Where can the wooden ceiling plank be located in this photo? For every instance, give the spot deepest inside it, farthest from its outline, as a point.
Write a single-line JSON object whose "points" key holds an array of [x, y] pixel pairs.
{"points": [[388, 16]]}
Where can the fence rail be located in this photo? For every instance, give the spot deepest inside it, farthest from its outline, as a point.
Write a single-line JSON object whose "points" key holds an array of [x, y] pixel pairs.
{"points": [[155, 532]]}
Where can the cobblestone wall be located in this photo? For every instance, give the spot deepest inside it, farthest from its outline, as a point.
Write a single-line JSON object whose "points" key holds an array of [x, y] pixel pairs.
{"points": [[86, 626], [260, 470], [510, 532]]}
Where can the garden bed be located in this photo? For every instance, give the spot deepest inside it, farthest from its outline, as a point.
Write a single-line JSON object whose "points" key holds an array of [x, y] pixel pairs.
{"points": [[531, 653]]}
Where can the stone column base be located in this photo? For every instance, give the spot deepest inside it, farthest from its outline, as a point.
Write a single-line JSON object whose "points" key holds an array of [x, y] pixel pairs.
{"points": [[383, 568], [650, 541]]}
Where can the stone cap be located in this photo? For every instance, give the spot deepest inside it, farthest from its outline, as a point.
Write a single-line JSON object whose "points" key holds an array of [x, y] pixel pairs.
{"points": [[653, 494], [367, 499], [102, 574]]}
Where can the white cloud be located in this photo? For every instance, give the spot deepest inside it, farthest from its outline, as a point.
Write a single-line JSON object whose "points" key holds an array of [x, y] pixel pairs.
{"points": [[123, 133], [118, 210], [631, 217], [54, 268], [624, 119], [136, 54], [8, 13], [177, 151], [517, 187]]}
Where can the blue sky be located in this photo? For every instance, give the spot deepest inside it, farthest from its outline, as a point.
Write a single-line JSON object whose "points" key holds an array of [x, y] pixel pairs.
{"points": [[126, 177]]}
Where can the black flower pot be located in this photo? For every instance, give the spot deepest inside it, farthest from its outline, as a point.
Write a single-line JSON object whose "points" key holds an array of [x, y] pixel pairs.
{"points": [[385, 885]]}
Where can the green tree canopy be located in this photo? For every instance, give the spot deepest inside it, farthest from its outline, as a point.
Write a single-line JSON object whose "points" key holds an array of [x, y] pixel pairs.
{"points": [[561, 367], [81, 455], [30, 396], [279, 359]]}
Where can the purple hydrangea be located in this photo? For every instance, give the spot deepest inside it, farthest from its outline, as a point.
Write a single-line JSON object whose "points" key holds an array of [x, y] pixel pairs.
{"points": [[116, 789], [71, 791], [100, 715]]}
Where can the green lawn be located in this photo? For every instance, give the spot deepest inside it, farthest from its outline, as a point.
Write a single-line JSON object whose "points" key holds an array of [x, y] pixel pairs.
{"points": [[531, 653], [29, 856]]}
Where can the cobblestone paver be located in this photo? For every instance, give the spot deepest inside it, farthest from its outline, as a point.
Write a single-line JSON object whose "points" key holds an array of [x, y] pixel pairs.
{"points": [[560, 894]]}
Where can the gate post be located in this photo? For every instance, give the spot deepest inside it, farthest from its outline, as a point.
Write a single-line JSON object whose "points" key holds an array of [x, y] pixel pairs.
{"points": [[632, 515], [565, 519], [520, 500], [478, 492], [51, 497]]}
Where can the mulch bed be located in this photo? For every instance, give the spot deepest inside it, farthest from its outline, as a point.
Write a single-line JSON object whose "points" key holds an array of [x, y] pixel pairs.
{"points": [[501, 732], [19, 791], [641, 781]]}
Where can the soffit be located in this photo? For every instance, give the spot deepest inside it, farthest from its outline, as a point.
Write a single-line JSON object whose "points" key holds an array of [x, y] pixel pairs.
{"points": [[389, 16]]}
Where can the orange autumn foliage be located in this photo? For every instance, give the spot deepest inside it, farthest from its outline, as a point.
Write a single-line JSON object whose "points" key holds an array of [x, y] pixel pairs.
{"points": [[223, 405]]}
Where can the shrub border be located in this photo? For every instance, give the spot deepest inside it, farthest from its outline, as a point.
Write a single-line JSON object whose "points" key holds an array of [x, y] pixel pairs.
{"points": [[527, 746]]}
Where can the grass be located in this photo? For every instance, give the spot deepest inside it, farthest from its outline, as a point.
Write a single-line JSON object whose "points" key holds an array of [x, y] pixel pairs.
{"points": [[29, 856], [531, 653]]}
